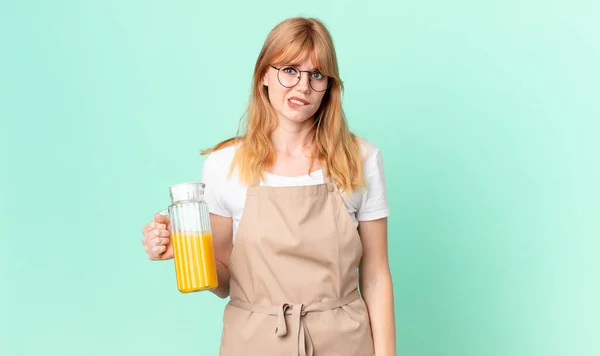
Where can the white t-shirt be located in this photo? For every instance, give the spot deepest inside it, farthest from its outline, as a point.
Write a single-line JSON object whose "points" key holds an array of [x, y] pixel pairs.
{"points": [[226, 196]]}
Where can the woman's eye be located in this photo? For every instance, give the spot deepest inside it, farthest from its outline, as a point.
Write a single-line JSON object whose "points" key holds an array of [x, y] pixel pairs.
{"points": [[290, 70], [317, 75]]}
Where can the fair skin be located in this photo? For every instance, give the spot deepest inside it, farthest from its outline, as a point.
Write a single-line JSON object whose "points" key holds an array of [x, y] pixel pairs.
{"points": [[376, 285], [293, 159]]}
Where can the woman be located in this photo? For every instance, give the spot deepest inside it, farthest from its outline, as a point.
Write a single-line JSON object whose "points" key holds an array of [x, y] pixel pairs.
{"points": [[298, 213]]}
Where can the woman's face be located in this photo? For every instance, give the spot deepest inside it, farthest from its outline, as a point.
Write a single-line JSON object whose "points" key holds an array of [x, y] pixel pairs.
{"points": [[299, 102]]}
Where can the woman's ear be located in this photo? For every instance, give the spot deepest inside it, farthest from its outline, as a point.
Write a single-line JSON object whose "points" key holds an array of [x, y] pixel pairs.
{"points": [[265, 80]]}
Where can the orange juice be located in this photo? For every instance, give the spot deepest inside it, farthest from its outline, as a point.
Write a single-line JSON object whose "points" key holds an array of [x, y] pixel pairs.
{"points": [[194, 261]]}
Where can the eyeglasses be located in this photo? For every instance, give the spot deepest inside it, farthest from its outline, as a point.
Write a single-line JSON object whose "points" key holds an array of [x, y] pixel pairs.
{"points": [[289, 76]]}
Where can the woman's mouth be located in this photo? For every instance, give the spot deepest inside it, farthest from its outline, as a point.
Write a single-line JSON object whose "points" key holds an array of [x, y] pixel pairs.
{"points": [[297, 102]]}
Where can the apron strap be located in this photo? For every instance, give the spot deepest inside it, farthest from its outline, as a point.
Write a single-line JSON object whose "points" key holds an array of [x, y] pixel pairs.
{"points": [[303, 346], [328, 181]]}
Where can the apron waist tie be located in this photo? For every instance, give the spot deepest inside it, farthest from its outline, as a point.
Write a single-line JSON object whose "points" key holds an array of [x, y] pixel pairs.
{"points": [[303, 346]]}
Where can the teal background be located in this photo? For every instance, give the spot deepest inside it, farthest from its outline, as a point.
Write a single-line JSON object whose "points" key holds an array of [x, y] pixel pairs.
{"points": [[487, 114]]}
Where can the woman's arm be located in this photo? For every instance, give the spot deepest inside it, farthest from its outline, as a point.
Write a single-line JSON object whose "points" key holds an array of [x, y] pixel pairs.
{"points": [[376, 285], [222, 234]]}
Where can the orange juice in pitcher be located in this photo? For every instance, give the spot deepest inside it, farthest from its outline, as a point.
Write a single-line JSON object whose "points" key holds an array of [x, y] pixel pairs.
{"points": [[194, 261]]}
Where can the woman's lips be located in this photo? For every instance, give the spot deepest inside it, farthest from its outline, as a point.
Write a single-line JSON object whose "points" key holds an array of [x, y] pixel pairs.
{"points": [[295, 101]]}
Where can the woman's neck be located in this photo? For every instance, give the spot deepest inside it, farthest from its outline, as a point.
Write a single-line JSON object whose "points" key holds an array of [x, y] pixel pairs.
{"points": [[293, 139]]}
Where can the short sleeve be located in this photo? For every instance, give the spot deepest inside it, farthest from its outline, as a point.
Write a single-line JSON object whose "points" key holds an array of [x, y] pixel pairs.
{"points": [[373, 203], [214, 189]]}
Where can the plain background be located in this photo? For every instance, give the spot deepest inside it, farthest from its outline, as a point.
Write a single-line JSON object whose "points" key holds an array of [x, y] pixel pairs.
{"points": [[487, 114]]}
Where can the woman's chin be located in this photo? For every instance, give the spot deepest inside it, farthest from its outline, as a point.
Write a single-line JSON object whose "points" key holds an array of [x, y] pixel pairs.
{"points": [[296, 117]]}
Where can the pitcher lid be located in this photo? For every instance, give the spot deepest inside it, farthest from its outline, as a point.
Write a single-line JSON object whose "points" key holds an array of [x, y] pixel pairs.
{"points": [[187, 191]]}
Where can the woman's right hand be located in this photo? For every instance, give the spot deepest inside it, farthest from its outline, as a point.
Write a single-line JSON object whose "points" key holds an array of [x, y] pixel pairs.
{"points": [[157, 238]]}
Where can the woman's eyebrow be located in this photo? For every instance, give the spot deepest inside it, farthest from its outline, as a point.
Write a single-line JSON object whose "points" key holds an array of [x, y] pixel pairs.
{"points": [[297, 65]]}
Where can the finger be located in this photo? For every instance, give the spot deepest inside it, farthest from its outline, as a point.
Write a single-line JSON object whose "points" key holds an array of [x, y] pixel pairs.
{"points": [[158, 233], [154, 225], [148, 237], [154, 252], [146, 228], [158, 250], [159, 241], [161, 219]]}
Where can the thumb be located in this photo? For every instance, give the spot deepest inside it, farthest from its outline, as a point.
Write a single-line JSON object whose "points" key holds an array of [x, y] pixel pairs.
{"points": [[161, 219]]}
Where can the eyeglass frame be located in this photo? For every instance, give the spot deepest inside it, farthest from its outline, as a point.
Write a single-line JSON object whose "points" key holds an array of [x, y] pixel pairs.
{"points": [[300, 77]]}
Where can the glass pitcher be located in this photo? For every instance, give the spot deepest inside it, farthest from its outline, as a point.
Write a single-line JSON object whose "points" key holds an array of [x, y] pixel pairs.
{"points": [[194, 256]]}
